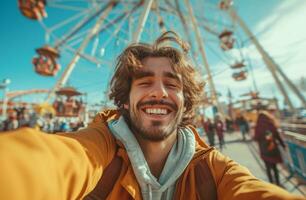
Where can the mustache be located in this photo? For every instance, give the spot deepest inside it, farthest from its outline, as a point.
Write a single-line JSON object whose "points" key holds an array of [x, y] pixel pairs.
{"points": [[157, 102]]}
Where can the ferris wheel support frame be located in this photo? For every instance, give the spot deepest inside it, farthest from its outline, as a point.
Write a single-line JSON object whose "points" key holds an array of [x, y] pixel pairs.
{"points": [[200, 42], [78, 37], [270, 63], [186, 30], [80, 25], [142, 21], [63, 79], [160, 18], [105, 27]]}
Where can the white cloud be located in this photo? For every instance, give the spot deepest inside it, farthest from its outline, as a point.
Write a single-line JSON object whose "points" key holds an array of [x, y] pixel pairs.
{"points": [[285, 39], [283, 36]]}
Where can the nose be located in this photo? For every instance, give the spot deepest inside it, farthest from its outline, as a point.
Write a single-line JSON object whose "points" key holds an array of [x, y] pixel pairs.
{"points": [[158, 91]]}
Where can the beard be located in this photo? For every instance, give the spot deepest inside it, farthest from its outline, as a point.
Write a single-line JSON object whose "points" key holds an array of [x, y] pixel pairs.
{"points": [[156, 130]]}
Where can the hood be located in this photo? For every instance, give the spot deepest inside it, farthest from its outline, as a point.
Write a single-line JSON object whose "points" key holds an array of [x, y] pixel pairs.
{"points": [[112, 114], [182, 152]]}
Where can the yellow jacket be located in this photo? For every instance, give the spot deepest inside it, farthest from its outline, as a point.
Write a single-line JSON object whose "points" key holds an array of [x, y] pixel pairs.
{"points": [[34, 165]]}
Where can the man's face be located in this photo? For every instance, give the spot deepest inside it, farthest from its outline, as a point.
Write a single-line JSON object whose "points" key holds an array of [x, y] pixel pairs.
{"points": [[156, 101]]}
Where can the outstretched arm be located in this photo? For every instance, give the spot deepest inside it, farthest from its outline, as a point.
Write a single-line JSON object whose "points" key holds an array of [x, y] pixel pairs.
{"points": [[35, 165]]}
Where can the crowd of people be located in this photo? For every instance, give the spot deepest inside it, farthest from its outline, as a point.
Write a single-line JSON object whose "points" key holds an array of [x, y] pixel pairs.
{"points": [[219, 126], [265, 132], [24, 117]]}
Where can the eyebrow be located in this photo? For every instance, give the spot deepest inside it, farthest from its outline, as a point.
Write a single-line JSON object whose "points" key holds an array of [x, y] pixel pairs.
{"points": [[143, 74], [172, 75]]}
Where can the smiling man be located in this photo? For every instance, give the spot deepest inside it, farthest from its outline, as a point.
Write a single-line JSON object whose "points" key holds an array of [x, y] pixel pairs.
{"points": [[145, 149]]}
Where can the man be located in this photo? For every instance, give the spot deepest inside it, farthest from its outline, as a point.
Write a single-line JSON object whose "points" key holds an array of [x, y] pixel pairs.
{"points": [[219, 125], [209, 128], [149, 139], [243, 125]]}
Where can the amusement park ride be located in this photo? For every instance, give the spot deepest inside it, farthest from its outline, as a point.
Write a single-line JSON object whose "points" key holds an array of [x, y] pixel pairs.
{"points": [[126, 21]]}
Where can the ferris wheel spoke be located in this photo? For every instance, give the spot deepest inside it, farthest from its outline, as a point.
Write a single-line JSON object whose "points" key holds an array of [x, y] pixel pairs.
{"points": [[114, 22], [79, 37], [47, 30], [81, 24], [69, 20], [122, 17], [111, 23], [94, 46], [61, 1], [66, 7], [80, 50], [89, 58], [119, 28], [76, 39]]}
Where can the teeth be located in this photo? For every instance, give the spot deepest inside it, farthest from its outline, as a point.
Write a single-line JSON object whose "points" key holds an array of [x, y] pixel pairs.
{"points": [[158, 111]]}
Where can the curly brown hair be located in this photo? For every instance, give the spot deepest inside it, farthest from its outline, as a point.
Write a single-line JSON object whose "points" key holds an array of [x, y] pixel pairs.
{"points": [[131, 59]]}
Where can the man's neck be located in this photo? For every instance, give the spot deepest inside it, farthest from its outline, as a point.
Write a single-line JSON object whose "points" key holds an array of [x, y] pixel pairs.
{"points": [[156, 153]]}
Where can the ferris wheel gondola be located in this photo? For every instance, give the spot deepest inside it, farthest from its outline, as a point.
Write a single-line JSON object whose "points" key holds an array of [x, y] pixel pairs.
{"points": [[66, 105], [226, 40], [238, 65], [46, 62], [239, 76], [225, 4], [33, 9]]}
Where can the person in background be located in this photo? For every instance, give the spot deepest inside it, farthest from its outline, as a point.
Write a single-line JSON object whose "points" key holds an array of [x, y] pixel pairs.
{"points": [[12, 121], [219, 126], [243, 126], [229, 124], [268, 137], [209, 129]]}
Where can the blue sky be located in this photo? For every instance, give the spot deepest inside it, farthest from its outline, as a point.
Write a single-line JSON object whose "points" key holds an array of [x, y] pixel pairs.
{"points": [[278, 24]]}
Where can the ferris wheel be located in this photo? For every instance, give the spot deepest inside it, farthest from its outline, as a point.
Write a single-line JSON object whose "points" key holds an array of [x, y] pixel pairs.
{"points": [[92, 29], [96, 31]]}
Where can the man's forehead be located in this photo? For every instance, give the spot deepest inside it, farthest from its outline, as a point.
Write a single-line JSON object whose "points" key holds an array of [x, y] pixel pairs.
{"points": [[145, 72], [157, 66]]}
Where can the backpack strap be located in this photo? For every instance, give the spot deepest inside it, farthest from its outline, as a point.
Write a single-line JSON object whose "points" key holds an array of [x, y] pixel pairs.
{"points": [[107, 181], [205, 183]]}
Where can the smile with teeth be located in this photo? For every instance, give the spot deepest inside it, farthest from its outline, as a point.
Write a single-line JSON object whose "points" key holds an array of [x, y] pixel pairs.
{"points": [[156, 111]]}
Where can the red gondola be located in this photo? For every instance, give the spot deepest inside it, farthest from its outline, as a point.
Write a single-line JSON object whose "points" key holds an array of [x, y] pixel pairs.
{"points": [[238, 65], [67, 105], [33, 9], [68, 91], [45, 64], [239, 76], [226, 40], [225, 4]]}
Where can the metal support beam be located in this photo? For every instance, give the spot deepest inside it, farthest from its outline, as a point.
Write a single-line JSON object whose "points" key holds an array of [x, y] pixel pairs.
{"points": [[142, 20], [186, 30], [77, 56], [266, 58], [80, 25], [200, 42], [291, 85]]}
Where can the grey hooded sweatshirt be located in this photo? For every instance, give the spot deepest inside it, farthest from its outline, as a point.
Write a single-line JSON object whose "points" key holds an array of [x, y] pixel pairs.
{"points": [[180, 155]]}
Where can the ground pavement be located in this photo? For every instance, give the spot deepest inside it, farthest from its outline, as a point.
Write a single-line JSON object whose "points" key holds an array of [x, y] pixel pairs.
{"points": [[246, 154]]}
